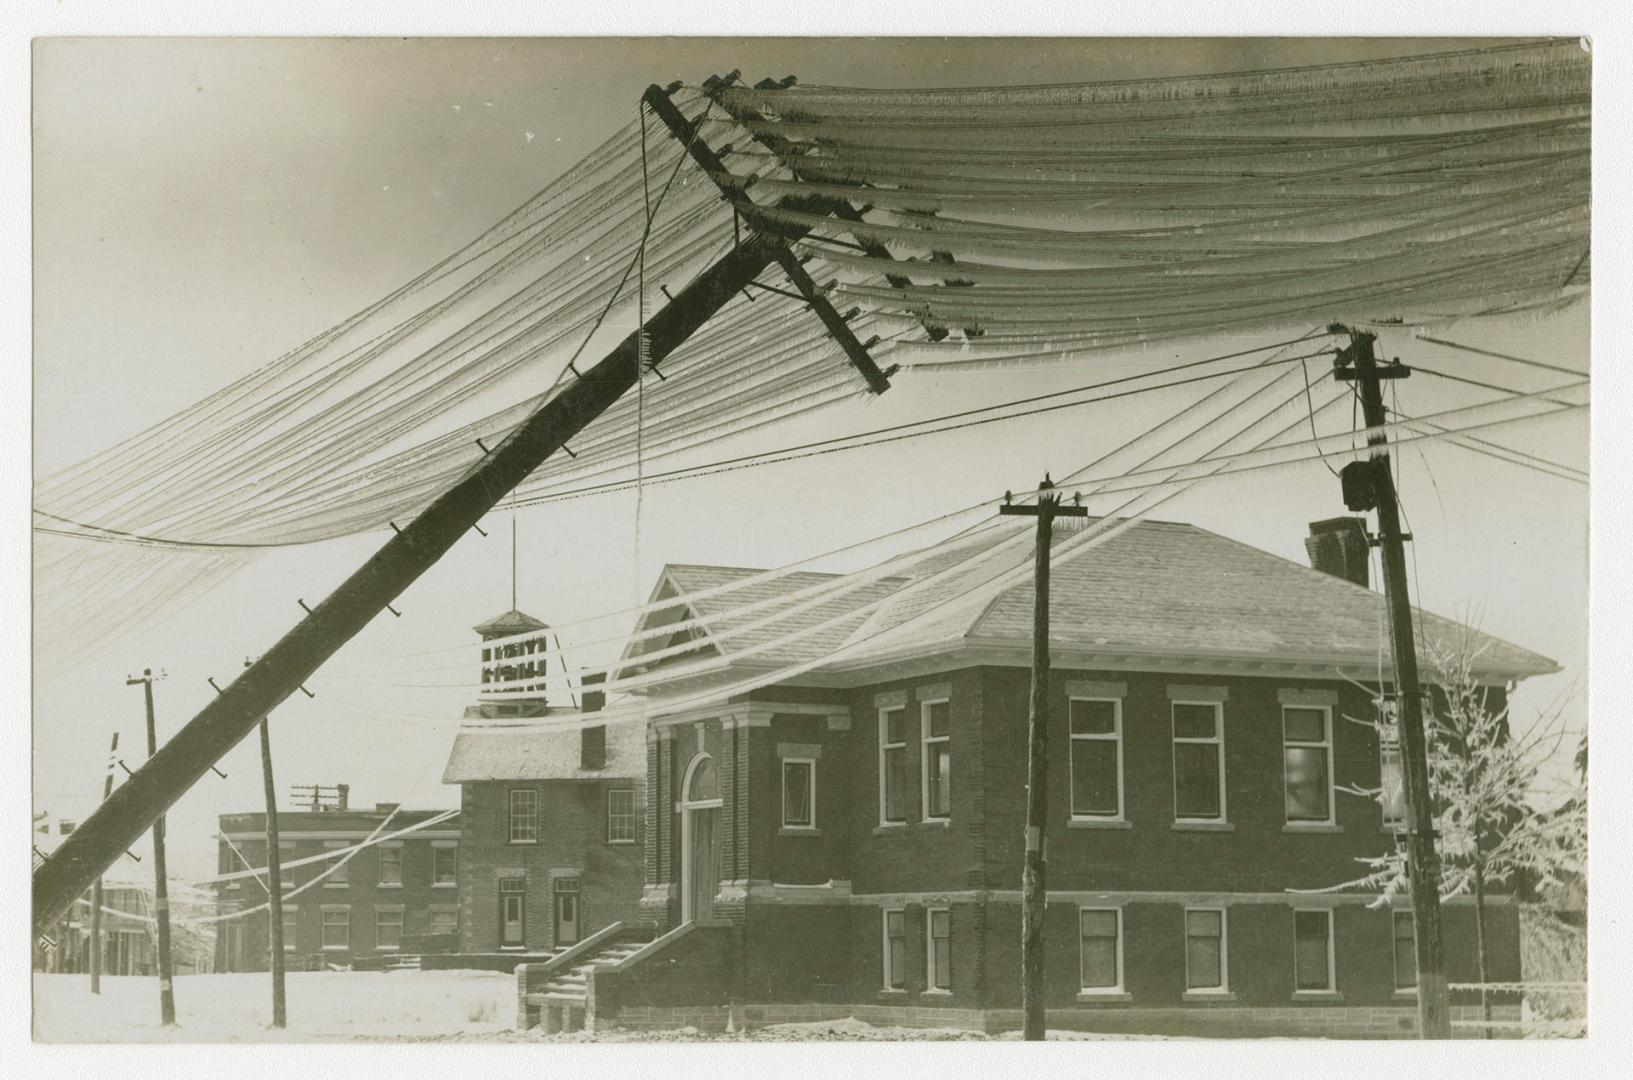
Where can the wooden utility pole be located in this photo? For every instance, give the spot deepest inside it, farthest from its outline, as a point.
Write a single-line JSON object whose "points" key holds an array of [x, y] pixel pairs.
{"points": [[161, 888], [235, 712], [96, 890], [274, 881], [1046, 510], [1368, 485]]}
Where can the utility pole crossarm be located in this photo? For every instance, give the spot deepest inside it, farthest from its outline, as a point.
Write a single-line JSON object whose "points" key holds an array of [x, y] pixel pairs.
{"points": [[685, 131]]}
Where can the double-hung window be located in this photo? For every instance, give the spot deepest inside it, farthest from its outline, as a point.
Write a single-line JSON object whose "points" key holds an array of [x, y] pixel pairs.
{"points": [[338, 867], [388, 927], [893, 764], [444, 862], [289, 929], [1097, 757], [621, 816], [1307, 764], [799, 793], [336, 928], [1199, 761], [445, 920], [936, 733], [938, 954], [1205, 958], [1406, 951], [524, 816], [1101, 943], [895, 949], [391, 864], [1312, 951]]}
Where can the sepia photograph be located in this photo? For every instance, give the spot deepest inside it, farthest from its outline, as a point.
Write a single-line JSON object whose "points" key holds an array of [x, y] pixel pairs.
{"points": [[814, 539]]}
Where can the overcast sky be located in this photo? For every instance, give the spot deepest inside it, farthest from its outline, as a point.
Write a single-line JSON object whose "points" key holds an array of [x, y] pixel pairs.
{"points": [[201, 206]]}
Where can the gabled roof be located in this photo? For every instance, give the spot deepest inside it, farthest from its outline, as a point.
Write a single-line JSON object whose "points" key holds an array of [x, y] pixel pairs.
{"points": [[1159, 589], [511, 622], [543, 755]]}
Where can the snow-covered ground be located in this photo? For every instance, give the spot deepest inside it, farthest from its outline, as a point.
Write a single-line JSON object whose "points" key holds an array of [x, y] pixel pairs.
{"points": [[343, 1006], [323, 1005]]}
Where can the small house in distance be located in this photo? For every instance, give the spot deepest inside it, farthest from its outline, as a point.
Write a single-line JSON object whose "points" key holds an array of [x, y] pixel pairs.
{"points": [[551, 818]]}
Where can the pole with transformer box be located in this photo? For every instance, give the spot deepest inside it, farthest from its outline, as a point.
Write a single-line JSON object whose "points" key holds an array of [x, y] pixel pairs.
{"points": [[161, 887], [1369, 485], [1046, 509]]}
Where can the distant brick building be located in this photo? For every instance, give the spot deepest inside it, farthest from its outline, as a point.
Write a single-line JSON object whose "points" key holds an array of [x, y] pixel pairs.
{"points": [[400, 896], [849, 842], [551, 821]]}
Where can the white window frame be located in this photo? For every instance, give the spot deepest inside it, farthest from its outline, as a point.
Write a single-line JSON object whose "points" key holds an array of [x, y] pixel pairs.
{"points": [[1332, 957], [445, 912], [884, 745], [1071, 758], [1394, 915], [1326, 744], [1217, 741], [890, 972], [930, 953], [1118, 945], [926, 741], [510, 807], [340, 878], [811, 764], [402, 925], [634, 816], [286, 854], [1224, 952], [345, 923], [396, 846]]}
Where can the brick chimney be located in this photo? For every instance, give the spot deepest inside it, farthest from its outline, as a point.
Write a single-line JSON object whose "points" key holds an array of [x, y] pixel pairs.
{"points": [[1338, 546], [592, 741], [342, 793]]}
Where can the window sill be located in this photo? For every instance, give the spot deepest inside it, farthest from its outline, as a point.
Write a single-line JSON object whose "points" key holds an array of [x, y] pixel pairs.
{"points": [[1408, 994], [1202, 826], [620, 843], [799, 830], [444, 884], [1317, 995], [391, 884], [1311, 827], [935, 994], [388, 948], [1209, 995], [892, 994], [336, 885], [1098, 823], [521, 843], [903, 826], [1098, 997], [337, 948]]}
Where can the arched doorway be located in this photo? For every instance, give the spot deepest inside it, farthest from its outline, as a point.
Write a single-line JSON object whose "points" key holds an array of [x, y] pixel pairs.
{"points": [[700, 838]]}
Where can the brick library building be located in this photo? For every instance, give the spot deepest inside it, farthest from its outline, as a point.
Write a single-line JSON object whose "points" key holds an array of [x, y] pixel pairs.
{"points": [[849, 842]]}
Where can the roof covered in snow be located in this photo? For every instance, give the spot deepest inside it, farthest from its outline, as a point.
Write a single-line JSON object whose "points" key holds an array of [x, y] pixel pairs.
{"points": [[1157, 589], [543, 755]]}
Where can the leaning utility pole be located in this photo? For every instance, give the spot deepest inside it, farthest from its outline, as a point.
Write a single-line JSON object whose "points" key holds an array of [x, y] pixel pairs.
{"points": [[240, 706], [96, 890], [161, 888], [1037, 761], [274, 880], [1368, 485]]}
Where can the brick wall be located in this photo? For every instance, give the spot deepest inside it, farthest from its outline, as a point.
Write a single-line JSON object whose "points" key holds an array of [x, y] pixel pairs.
{"points": [[572, 843]]}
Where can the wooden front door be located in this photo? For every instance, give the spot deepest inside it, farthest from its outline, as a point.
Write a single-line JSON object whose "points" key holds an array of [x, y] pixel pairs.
{"points": [[567, 911], [704, 861], [512, 913]]}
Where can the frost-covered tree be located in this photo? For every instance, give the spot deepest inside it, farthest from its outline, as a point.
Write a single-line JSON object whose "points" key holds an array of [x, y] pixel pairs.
{"points": [[1490, 810]]}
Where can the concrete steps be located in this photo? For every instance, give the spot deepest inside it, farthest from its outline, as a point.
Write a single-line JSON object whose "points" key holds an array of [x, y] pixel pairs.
{"points": [[570, 987]]}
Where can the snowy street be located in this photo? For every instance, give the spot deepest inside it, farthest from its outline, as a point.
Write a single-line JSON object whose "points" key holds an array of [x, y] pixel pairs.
{"points": [[343, 1006]]}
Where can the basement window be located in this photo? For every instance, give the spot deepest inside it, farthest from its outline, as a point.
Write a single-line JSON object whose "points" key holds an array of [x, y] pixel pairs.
{"points": [[895, 949], [1205, 969], [938, 959], [1312, 951]]}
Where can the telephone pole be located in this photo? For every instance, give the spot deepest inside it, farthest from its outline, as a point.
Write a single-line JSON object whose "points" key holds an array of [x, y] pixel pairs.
{"points": [[1037, 761], [1368, 485], [274, 880], [161, 888], [96, 890]]}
